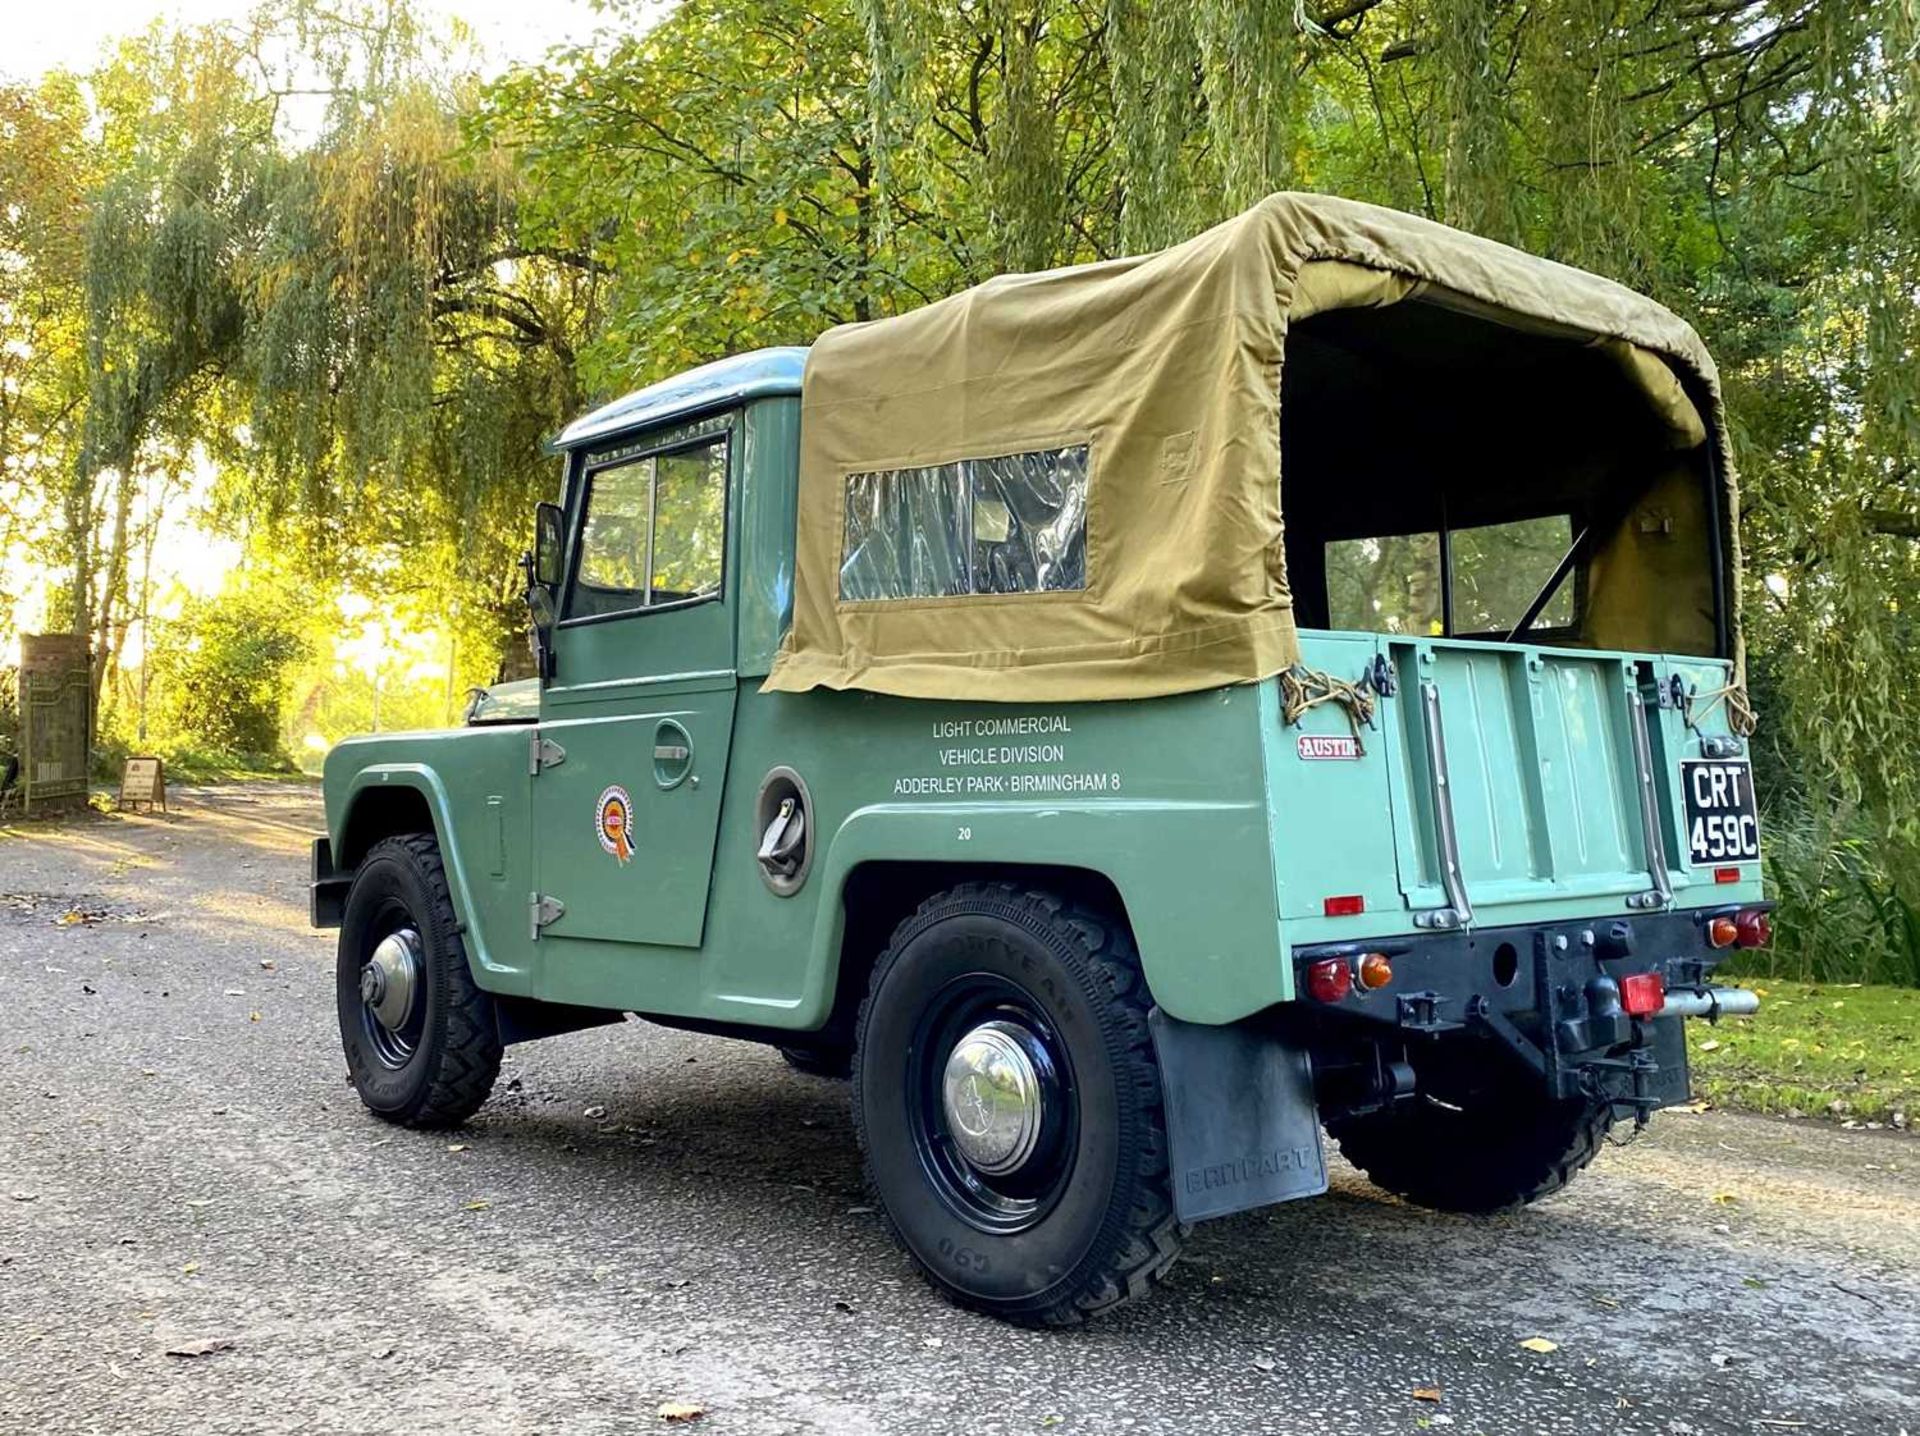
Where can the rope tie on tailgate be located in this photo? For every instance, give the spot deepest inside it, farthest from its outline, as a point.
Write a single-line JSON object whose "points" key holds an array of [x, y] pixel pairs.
{"points": [[1303, 689], [1740, 715]]}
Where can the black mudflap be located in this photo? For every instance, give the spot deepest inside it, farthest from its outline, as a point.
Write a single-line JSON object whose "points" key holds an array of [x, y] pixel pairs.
{"points": [[1671, 1085], [1241, 1121]]}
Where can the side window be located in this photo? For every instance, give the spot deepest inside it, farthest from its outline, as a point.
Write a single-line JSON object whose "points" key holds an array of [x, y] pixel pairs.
{"points": [[689, 523], [1014, 523], [613, 542], [654, 531]]}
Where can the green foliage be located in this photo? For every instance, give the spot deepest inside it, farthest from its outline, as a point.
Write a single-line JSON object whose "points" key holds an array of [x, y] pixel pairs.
{"points": [[1842, 917], [1837, 1051], [9, 712], [187, 761], [221, 668]]}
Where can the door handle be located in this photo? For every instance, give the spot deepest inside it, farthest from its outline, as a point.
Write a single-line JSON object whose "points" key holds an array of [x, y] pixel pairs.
{"points": [[672, 754]]}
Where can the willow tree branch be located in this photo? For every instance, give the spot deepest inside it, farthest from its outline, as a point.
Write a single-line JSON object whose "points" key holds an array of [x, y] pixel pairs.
{"points": [[1893, 523], [1339, 11]]}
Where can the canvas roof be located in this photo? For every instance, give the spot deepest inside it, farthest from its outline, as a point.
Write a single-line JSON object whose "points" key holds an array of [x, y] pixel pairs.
{"points": [[1167, 367]]}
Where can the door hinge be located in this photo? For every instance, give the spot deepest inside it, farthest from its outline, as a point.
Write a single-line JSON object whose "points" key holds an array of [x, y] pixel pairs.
{"points": [[544, 911], [543, 753]]}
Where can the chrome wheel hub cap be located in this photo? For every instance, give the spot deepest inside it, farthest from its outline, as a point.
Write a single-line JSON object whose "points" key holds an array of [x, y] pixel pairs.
{"points": [[390, 982], [991, 1095]]}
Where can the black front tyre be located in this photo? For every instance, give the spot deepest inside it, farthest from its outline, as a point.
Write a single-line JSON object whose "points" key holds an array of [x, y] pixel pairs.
{"points": [[421, 1038], [1008, 1105], [1488, 1155]]}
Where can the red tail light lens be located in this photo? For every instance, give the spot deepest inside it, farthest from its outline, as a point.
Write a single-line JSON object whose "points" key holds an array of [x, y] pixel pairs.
{"points": [[1329, 979], [1722, 931], [1349, 906], [1755, 928], [1643, 994], [1726, 875]]}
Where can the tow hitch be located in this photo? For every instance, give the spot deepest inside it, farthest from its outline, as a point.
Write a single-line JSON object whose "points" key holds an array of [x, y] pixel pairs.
{"points": [[1712, 1003]]}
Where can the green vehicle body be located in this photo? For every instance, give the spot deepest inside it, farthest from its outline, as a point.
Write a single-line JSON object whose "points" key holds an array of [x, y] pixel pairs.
{"points": [[1198, 811]]}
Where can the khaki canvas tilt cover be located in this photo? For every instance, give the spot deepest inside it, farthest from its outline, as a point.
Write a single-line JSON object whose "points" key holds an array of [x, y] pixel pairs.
{"points": [[1147, 389]]}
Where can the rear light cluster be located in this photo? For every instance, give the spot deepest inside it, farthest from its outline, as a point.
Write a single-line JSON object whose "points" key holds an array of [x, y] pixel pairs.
{"points": [[1329, 979], [1750, 927], [1643, 994], [1374, 971], [1332, 978]]}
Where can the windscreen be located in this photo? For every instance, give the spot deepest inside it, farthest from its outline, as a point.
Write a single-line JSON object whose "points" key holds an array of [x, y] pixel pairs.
{"points": [[1402, 583]]}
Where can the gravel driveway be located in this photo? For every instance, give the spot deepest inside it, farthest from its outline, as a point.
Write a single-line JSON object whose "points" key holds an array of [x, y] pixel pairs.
{"points": [[641, 1216]]}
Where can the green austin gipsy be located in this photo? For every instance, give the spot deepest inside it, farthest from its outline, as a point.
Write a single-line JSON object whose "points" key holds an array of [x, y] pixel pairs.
{"points": [[950, 706]]}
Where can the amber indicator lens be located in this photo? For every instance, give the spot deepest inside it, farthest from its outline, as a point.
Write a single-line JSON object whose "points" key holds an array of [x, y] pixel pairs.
{"points": [[1375, 971], [1329, 979], [1722, 931]]}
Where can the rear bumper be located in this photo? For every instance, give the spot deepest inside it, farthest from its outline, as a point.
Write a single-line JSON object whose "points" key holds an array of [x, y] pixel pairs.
{"points": [[326, 887], [1550, 994]]}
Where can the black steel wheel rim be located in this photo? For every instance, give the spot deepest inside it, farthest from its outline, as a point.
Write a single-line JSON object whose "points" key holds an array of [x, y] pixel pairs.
{"points": [[1011, 1202], [392, 1047]]}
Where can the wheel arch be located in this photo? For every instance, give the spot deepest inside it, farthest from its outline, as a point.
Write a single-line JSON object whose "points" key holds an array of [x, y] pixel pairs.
{"points": [[1190, 879], [875, 896], [382, 810], [388, 799]]}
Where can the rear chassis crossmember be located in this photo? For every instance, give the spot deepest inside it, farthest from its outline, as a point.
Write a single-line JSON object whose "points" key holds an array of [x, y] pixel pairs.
{"points": [[1549, 994]]}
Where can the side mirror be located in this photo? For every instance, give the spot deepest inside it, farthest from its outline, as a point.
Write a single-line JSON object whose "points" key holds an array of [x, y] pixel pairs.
{"points": [[542, 566], [547, 521]]}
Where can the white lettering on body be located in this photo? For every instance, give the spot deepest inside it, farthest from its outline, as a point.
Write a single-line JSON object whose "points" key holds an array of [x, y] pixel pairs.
{"points": [[1037, 768]]}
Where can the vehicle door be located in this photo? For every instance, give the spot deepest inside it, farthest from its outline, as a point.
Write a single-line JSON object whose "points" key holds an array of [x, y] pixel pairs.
{"points": [[631, 750]]}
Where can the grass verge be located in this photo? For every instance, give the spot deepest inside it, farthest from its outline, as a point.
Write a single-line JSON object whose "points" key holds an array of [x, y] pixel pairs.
{"points": [[1849, 1053]]}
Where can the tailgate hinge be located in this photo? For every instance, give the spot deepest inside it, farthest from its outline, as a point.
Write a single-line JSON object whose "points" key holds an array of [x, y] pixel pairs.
{"points": [[1380, 677], [544, 911], [543, 753], [1458, 912], [1661, 894]]}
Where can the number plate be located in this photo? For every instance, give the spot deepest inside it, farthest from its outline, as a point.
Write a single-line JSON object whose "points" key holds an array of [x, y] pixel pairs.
{"points": [[1723, 824]]}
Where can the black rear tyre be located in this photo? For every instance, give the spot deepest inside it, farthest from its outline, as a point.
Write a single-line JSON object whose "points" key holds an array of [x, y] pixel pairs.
{"points": [[421, 1038], [1074, 1214], [1492, 1155], [834, 1062]]}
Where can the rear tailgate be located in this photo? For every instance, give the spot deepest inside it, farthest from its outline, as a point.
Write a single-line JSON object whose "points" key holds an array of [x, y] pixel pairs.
{"points": [[1558, 771], [1538, 749]]}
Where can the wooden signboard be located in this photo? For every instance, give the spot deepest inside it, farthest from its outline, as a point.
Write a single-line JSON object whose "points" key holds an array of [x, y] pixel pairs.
{"points": [[144, 780]]}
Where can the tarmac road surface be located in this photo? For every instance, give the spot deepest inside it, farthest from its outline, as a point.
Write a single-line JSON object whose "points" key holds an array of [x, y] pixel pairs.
{"points": [[641, 1216]]}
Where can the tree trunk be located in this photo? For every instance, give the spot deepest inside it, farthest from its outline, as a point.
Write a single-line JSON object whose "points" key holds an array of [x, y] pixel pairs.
{"points": [[79, 520], [106, 651]]}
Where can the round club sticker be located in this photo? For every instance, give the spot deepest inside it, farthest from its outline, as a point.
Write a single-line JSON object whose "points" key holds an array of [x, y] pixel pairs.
{"points": [[613, 821]]}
